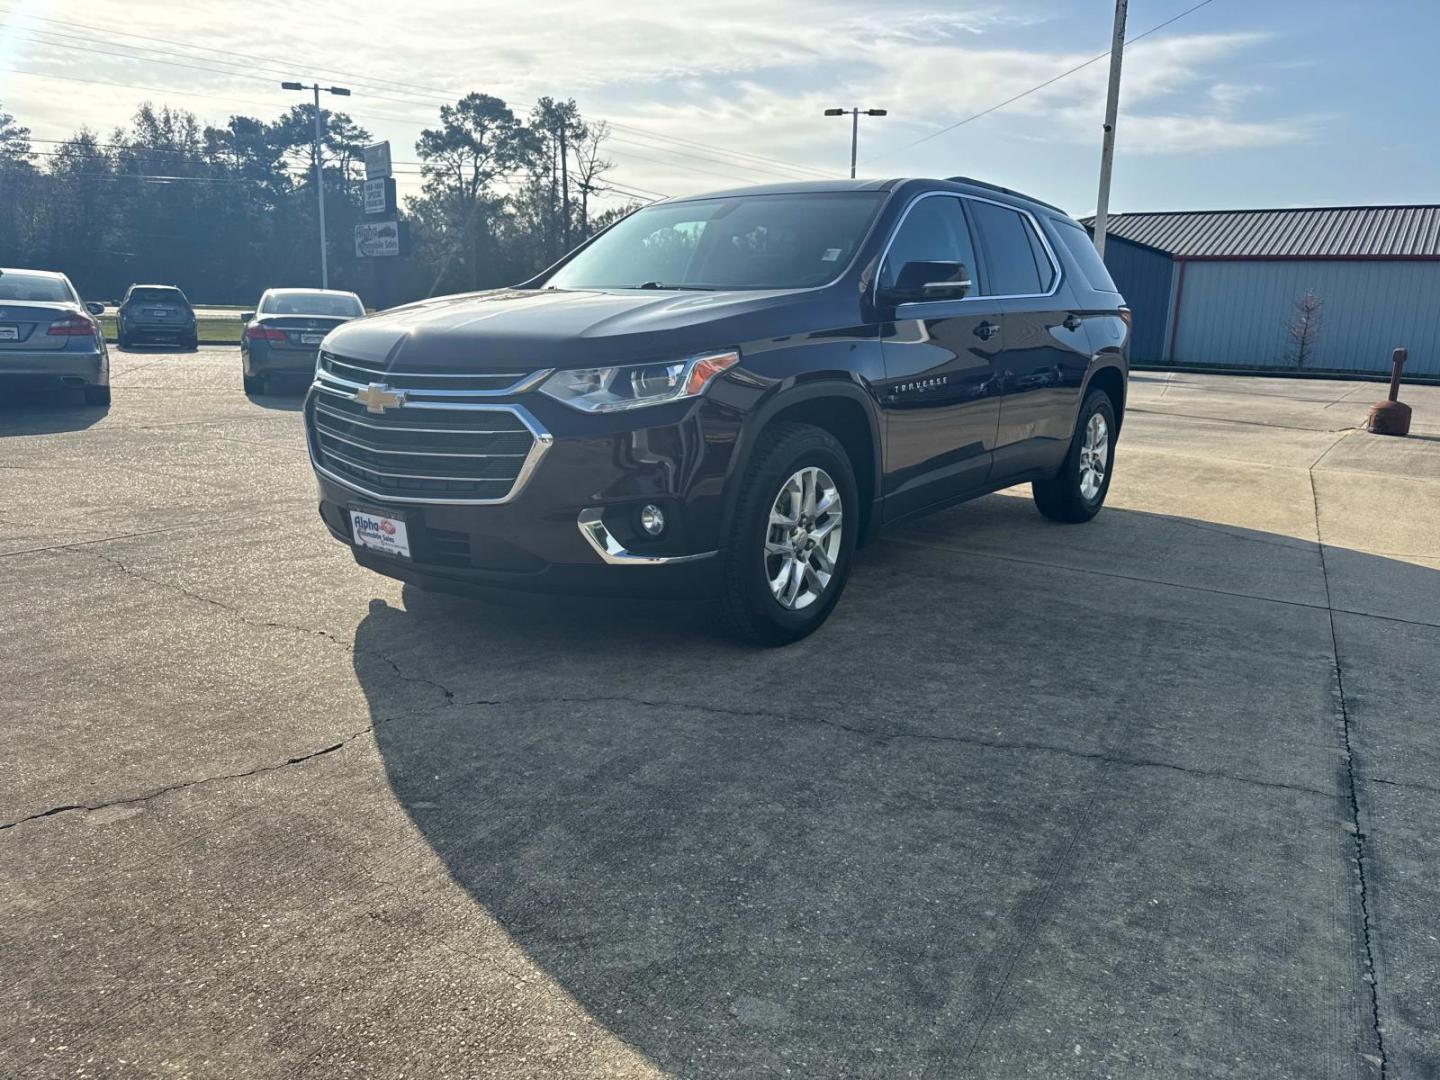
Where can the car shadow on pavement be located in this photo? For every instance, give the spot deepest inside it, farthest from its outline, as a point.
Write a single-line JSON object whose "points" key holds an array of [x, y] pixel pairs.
{"points": [[46, 412], [933, 837], [282, 396]]}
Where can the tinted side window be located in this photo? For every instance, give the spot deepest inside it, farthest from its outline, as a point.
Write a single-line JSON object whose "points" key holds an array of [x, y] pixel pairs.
{"points": [[1082, 249], [933, 231], [1011, 252]]}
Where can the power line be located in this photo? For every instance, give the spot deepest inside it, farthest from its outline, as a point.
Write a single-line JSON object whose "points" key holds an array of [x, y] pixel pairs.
{"points": [[1036, 88]]}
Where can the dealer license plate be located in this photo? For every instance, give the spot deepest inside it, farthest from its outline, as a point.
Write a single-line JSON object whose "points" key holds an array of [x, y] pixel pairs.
{"points": [[9, 333], [311, 339], [381, 533]]}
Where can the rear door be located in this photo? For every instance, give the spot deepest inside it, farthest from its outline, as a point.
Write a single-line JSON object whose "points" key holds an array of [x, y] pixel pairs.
{"points": [[1046, 350], [940, 394]]}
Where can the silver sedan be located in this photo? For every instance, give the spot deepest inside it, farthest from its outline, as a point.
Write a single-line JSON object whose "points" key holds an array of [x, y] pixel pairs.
{"points": [[49, 337]]}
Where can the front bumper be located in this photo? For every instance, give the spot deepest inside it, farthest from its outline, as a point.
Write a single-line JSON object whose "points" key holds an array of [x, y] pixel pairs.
{"points": [[571, 523], [54, 367]]}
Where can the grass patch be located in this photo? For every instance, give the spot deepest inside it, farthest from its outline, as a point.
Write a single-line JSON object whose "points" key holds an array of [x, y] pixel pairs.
{"points": [[223, 330]]}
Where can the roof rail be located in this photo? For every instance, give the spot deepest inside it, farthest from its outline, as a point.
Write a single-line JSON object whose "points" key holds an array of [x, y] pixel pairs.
{"points": [[1003, 190]]}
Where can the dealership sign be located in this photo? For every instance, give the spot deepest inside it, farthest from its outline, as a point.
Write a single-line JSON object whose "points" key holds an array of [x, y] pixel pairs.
{"points": [[374, 238], [377, 161], [380, 195]]}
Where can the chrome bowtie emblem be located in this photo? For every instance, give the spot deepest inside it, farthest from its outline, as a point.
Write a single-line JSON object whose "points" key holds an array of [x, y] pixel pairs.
{"points": [[377, 397]]}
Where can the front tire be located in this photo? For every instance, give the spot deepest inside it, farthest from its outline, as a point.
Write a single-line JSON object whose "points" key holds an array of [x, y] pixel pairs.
{"points": [[792, 536], [1078, 490]]}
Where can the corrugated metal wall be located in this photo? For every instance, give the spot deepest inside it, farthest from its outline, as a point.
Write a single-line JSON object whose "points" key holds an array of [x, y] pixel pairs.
{"points": [[1143, 277], [1236, 313]]}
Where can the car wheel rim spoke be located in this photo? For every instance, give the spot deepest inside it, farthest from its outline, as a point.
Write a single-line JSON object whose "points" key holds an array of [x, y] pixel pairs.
{"points": [[803, 538], [1094, 455]]}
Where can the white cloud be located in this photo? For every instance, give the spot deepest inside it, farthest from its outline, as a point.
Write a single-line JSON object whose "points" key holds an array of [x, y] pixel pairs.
{"points": [[750, 76]]}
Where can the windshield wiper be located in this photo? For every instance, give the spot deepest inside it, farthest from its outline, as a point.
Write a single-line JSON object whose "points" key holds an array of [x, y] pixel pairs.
{"points": [[673, 288]]}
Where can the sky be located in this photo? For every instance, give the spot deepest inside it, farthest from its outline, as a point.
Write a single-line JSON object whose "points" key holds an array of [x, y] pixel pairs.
{"points": [[1241, 103]]}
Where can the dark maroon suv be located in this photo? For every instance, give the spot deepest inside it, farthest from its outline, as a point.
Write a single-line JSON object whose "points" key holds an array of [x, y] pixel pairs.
{"points": [[722, 396]]}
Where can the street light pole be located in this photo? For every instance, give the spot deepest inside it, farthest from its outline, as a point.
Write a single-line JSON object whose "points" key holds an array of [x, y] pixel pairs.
{"points": [[1112, 108], [855, 129], [319, 168]]}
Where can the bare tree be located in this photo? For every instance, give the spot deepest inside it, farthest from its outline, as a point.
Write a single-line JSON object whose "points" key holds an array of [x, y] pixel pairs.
{"points": [[1303, 329], [590, 166]]}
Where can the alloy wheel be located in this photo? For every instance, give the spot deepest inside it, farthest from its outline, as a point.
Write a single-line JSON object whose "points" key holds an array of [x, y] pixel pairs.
{"points": [[1094, 456], [802, 541]]}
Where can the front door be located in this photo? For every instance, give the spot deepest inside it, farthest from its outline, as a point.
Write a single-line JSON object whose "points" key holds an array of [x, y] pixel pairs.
{"points": [[940, 396]]}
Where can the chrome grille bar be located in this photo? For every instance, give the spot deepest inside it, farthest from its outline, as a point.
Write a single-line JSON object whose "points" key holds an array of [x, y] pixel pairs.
{"points": [[460, 449]]}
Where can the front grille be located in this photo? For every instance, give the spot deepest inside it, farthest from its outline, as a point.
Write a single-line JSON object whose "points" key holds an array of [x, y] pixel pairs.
{"points": [[435, 447], [420, 376]]}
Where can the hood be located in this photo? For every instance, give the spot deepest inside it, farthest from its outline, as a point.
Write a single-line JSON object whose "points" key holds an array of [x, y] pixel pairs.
{"points": [[527, 329]]}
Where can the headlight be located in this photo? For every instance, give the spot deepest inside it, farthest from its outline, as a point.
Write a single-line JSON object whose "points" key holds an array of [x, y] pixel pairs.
{"points": [[612, 388]]}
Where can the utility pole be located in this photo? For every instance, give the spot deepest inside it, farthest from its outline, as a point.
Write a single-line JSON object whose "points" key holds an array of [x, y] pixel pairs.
{"points": [[1112, 108], [339, 91], [855, 129]]}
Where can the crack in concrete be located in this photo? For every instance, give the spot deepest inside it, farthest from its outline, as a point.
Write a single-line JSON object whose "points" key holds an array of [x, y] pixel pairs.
{"points": [[1409, 785], [1356, 829], [935, 546], [267, 624], [1245, 423], [884, 734], [880, 734], [180, 785]]}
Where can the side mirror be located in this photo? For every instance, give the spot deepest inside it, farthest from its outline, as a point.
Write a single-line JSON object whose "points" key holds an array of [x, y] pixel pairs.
{"points": [[920, 281], [95, 307], [246, 316]]}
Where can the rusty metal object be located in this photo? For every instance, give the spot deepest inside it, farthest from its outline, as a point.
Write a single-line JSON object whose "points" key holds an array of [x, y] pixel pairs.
{"points": [[1391, 417]]}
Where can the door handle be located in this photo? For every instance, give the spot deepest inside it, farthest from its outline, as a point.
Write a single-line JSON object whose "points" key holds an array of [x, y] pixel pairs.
{"points": [[1072, 322], [987, 330]]}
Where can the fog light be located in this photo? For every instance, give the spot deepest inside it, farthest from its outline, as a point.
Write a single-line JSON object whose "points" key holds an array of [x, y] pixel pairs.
{"points": [[652, 520]]}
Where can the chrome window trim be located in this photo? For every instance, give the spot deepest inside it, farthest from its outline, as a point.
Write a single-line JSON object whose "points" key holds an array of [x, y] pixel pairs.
{"points": [[1034, 224], [612, 552], [528, 382], [543, 442]]}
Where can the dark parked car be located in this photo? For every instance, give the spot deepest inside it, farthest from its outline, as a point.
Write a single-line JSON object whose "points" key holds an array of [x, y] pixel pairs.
{"points": [[283, 334], [49, 337], [155, 314], [724, 395]]}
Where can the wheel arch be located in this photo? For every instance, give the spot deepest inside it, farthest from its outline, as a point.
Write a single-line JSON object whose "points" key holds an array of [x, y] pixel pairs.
{"points": [[837, 406], [1111, 378]]}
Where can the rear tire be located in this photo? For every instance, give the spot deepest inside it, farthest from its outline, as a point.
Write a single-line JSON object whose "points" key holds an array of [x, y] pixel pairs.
{"points": [[798, 489], [254, 384], [1078, 490], [193, 345], [97, 395]]}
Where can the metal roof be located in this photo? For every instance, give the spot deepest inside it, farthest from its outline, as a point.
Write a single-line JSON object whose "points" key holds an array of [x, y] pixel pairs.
{"points": [[1334, 232]]}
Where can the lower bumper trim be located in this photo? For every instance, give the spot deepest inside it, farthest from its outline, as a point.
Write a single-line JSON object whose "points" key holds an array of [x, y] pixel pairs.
{"points": [[592, 527]]}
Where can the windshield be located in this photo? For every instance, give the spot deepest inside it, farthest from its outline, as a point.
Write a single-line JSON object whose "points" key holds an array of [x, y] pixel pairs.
{"points": [[338, 305], [155, 295], [41, 287], [739, 242]]}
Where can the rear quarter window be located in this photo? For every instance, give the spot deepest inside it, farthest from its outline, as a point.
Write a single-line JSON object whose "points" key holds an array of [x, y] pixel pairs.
{"points": [[1087, 260]]}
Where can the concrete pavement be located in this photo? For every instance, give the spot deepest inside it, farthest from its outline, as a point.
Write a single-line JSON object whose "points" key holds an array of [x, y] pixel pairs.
{"points": [[1153, 796]]}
